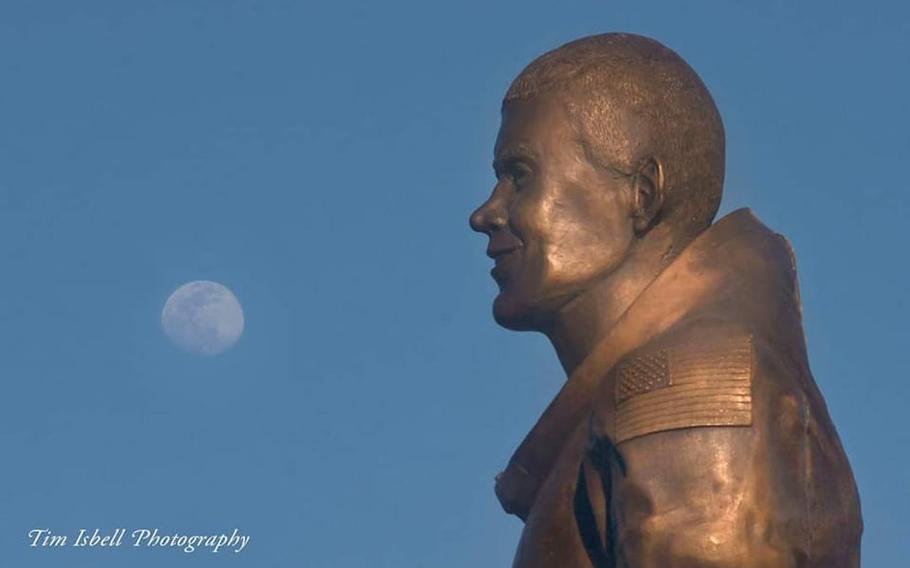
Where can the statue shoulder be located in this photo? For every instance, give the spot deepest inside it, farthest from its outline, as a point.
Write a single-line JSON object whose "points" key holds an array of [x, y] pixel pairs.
{"points": [[700, 375]]}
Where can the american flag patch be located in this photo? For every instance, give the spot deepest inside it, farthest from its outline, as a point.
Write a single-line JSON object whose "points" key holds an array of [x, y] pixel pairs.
{"points": [[685, 387]]}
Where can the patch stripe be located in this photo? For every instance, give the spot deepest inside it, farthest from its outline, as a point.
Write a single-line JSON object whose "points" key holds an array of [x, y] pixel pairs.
{"points": [[725, 411], [707, 386]]}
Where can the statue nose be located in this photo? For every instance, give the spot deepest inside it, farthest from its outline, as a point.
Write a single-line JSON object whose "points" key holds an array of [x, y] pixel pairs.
{"points": [[488, 217]]}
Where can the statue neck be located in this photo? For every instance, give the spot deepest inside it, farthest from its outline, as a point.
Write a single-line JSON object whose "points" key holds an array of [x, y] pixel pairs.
{"points": [[583, 321]]}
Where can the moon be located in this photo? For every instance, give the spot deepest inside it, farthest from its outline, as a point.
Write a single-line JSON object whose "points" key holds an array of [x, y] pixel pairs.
{"points": [[202, 317]]}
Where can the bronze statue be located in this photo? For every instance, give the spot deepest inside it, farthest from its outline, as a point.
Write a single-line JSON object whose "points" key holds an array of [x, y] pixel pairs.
{"points": [[690, 431]]}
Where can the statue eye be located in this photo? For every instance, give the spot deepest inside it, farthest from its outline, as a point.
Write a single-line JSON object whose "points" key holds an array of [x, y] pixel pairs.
{"points": [[519, 174]]}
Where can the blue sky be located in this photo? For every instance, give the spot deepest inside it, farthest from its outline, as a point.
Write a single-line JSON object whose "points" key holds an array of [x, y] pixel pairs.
{"points": [[321, 160]]}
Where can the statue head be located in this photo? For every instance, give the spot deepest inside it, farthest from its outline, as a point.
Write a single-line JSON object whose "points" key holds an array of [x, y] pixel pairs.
{"points": [[604, 143]]}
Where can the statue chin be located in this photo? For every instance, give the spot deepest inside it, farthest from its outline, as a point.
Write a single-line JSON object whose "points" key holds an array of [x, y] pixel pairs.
{"points": [[518, 314], [510, 314]]}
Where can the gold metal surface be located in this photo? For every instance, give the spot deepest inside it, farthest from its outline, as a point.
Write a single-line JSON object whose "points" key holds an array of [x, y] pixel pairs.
{"points": [[690, 431]]}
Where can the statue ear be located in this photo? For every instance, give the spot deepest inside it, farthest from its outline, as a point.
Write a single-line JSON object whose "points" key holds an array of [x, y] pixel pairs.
{"points": [[648, 198]]}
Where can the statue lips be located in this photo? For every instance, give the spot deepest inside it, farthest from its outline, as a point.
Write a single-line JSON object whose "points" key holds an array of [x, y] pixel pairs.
{"points": [[504, 258]]}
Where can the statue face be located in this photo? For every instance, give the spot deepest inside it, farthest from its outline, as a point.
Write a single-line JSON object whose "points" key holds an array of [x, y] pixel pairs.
{"points": [[557, 223]]}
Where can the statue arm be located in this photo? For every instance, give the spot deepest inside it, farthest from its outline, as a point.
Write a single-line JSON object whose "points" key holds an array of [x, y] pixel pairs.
{"points": [[695, 497]]}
